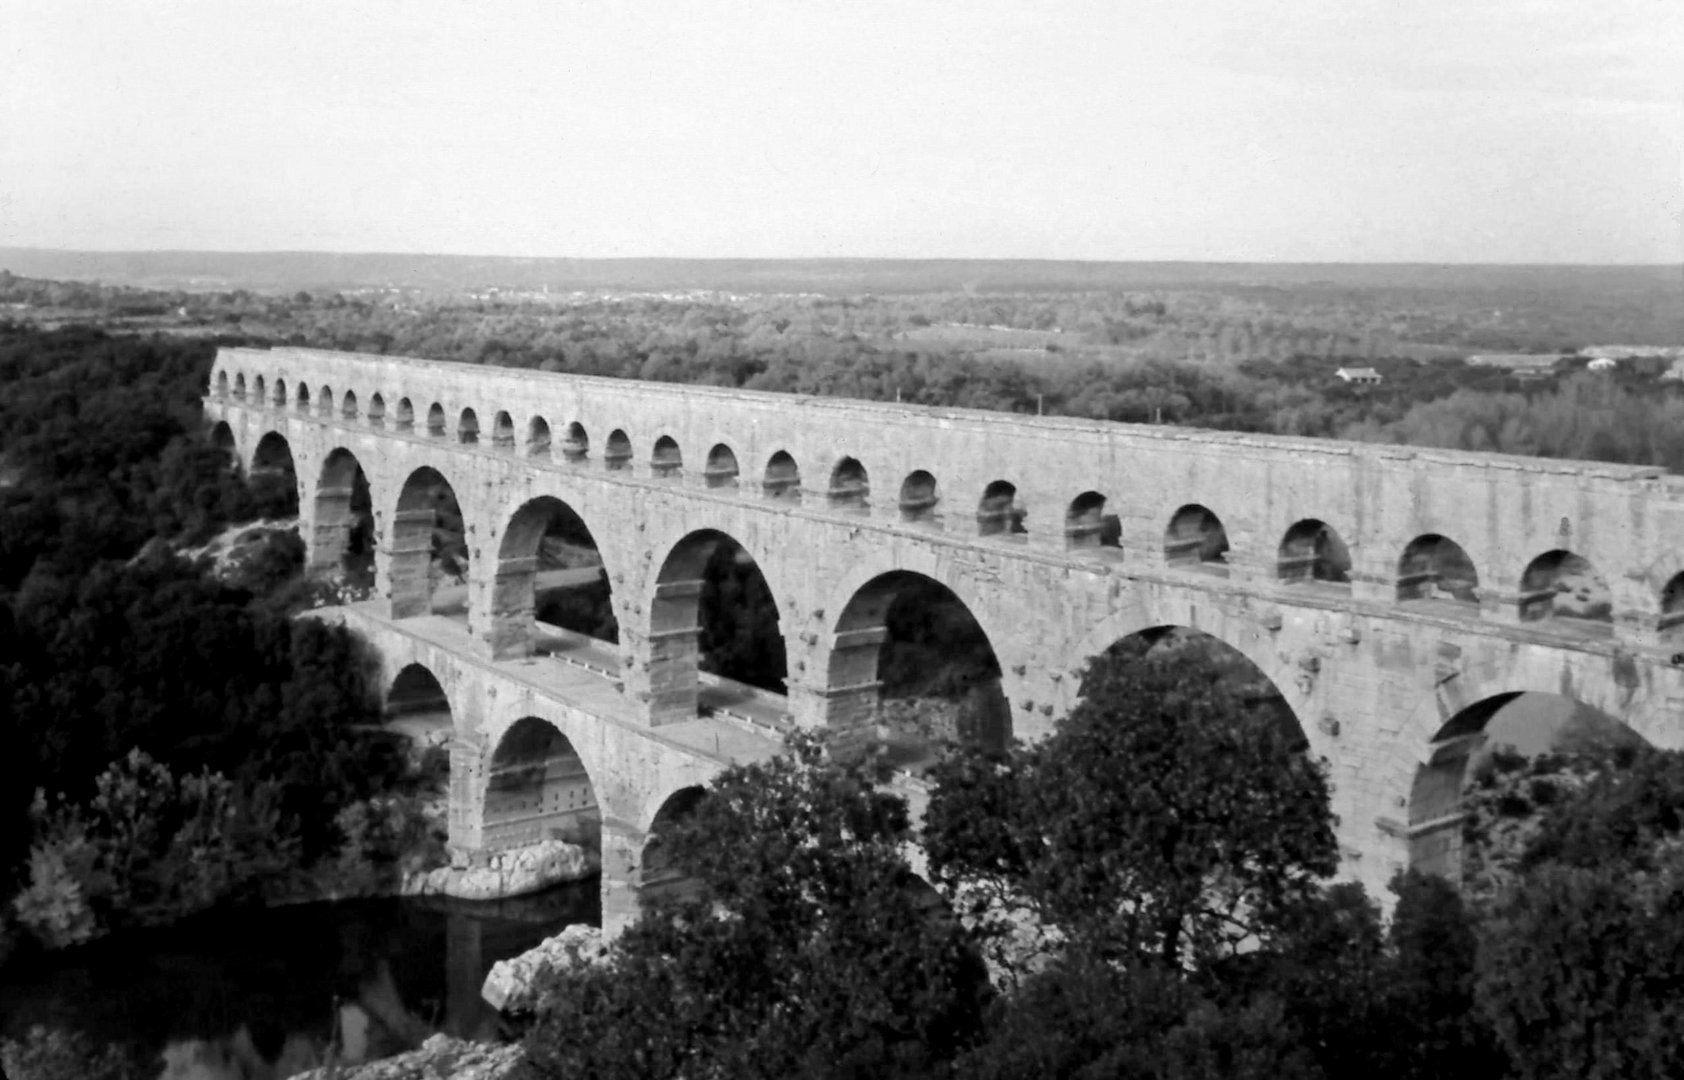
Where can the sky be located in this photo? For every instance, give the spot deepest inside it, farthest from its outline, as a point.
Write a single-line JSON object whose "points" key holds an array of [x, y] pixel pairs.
{"points": [[1483, 131]]}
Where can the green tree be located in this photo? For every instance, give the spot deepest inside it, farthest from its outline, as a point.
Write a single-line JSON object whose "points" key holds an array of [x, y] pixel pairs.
{"points": [[1581, 958], [1165, 818], [810, 950]]}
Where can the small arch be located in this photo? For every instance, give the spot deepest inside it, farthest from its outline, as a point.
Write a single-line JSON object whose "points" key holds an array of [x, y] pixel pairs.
{"points": [[467, 428], [1088, 527], [348, 408], [722, 467], [666, 461], [303, 402], [435, 421], [1195, 539], [1434, 567], [376, 411], [280, 397], [1313, 551], [850, 486], [222, 384], [503, 431], [619, 453], [576, 447], [538, 438], [324, 401], [240, 386], [406, 415], [783, 478], [999, 513], [919, 497], [1562, 585], [537, 789]]}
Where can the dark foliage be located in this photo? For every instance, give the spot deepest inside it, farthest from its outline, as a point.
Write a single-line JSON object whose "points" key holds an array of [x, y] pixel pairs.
{"points": [[810, 949], [110, 642]]}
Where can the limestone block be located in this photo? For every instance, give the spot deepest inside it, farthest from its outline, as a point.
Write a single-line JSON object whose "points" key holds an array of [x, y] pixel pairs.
{"points": [[510, 984]]}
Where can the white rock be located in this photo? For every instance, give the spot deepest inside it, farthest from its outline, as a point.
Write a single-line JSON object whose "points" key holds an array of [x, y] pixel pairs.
{"points": [[509, 985]]}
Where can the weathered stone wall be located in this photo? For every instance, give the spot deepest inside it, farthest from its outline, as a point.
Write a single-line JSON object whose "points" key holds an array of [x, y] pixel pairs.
{"points": [[1371, 679]]}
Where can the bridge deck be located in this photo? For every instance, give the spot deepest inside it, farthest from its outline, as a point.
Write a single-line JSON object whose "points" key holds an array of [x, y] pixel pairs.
{"points": [[724, 738]]}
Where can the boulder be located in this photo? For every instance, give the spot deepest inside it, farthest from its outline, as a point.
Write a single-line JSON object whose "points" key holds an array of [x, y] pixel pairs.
{"points": [[439, 1056], [509, 986]]}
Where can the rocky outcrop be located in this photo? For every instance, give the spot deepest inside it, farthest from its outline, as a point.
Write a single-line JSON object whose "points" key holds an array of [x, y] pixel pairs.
{"points": [[509, 986], [507, 873], [440, 1056]]}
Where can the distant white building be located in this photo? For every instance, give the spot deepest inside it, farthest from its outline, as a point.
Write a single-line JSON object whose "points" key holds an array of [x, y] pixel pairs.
{"points": [[1365, 376]]}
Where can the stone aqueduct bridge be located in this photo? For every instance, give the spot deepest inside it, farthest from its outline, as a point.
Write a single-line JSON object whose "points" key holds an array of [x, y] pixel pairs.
{"points": [[1391, 667]]}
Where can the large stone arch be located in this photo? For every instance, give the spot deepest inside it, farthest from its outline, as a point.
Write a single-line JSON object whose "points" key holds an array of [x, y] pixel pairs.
{"points": [[825, 697], [415, 514], [1607, 682], [674, 607], [222, 438], [514, 588], [274, 472], [1175, 608], [336, 510], [1436, 808], [845, 668]]}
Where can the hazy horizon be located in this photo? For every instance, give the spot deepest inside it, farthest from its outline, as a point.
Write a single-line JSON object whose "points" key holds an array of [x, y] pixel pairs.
{"points": [[1334, 132], [797, 258]]}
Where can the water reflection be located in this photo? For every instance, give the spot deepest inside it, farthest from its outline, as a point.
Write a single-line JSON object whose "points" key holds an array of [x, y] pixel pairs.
{"points": [[259, 995]]}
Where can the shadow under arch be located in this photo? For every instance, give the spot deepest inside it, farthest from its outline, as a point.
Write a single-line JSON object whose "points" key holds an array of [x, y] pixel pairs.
{"points": [[538, 788], [1485, 737], [273, 478], [342, 538], [912, 668], [714, 612], [550, 571], [428, 549]]}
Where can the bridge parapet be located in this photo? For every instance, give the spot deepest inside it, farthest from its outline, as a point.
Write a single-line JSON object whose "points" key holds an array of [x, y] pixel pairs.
{"points": [[1047, 484]]}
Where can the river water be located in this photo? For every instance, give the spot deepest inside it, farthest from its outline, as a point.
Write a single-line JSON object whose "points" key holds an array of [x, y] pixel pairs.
{"points": [[256, 995]]}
